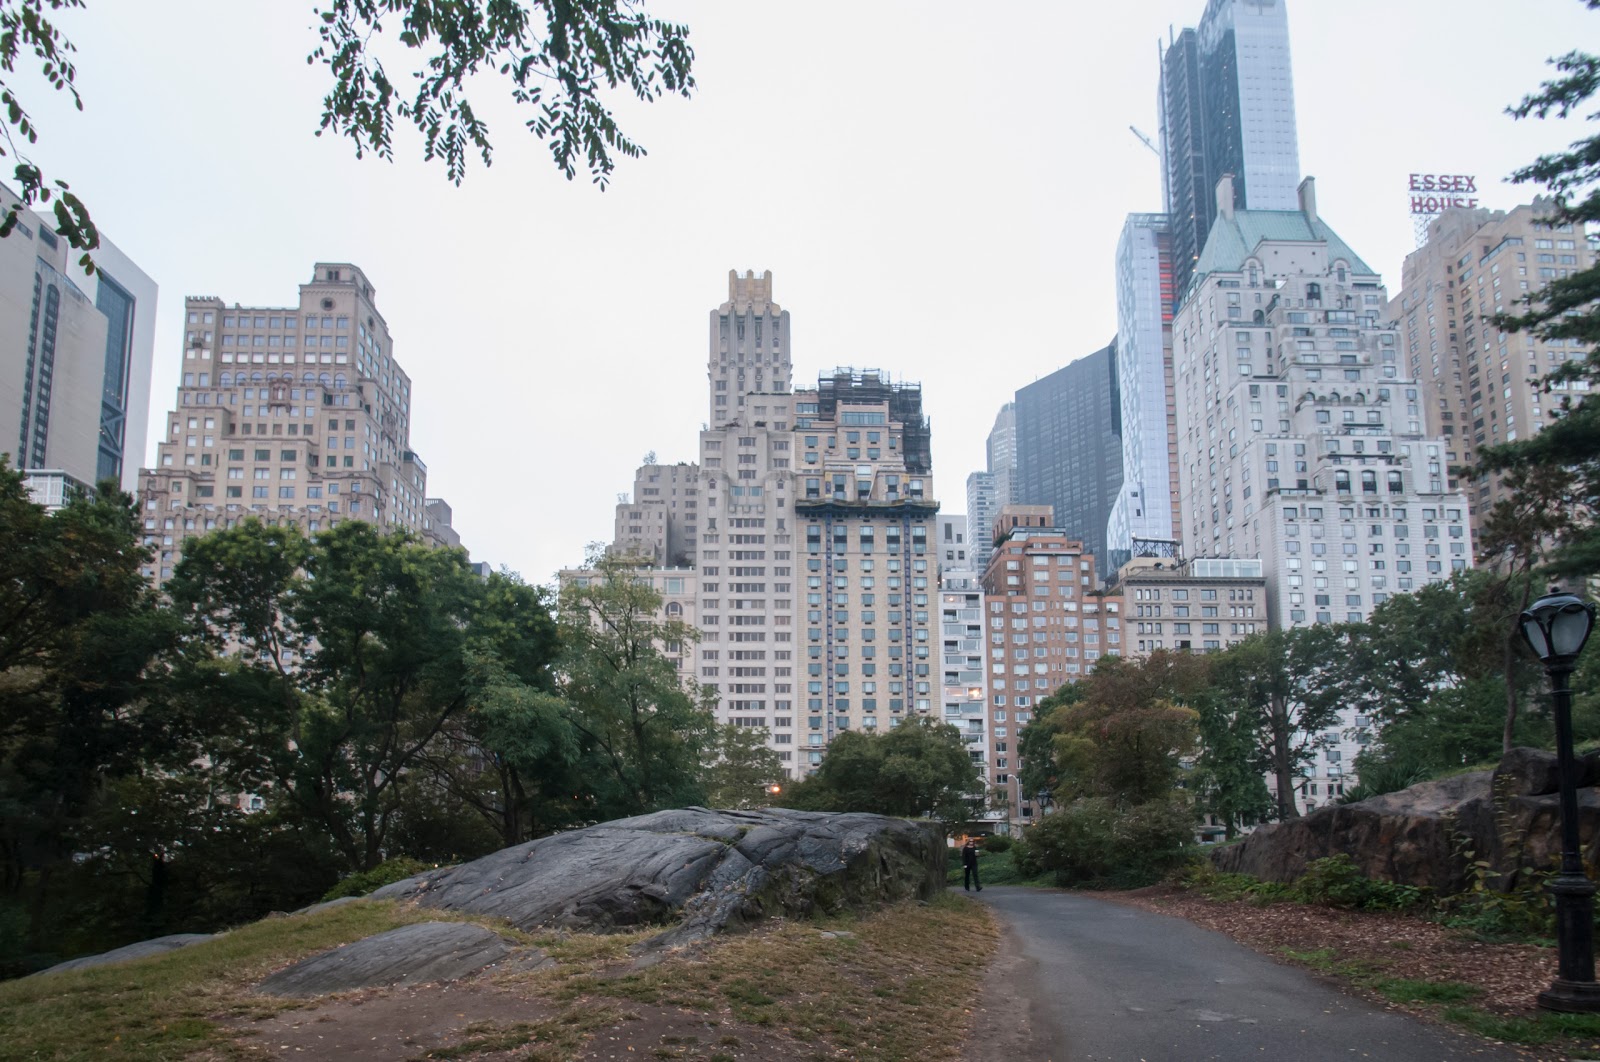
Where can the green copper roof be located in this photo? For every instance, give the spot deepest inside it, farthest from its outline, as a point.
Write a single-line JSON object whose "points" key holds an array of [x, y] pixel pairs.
{"points": [[1234, 239]]}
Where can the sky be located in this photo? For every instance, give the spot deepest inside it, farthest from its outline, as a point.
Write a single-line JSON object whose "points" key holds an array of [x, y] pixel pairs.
{"points": [[937, 188]]}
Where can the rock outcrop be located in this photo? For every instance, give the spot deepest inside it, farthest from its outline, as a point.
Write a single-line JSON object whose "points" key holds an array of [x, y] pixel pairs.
{"points": [[129, 952], [1422, 836], [702, 870], [707, 870], [410, 955]]}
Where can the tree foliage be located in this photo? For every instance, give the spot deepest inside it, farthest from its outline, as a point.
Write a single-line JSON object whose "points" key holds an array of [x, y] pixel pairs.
{"points": [[360, 653], [557, 55], [559, 58], [1276, 690], [643, 730], [29, 34], [919, 769], [739, 768]]}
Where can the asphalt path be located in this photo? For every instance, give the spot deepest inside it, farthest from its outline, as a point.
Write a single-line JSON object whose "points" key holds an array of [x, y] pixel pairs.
{"points": [[1085, 980]]}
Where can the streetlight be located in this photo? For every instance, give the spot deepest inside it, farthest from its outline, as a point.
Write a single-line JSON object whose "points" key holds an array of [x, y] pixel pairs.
{"points": [[1045, 800], [1556, 626]]}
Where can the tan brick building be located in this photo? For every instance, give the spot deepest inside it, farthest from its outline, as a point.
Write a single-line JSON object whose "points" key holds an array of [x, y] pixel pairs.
{"points": [[1047, 624], [293, 414], [1480, 385], [1202, 605], [659, 522]]}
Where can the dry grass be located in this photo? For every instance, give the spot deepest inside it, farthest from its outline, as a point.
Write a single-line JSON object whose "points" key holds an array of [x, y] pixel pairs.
{"points": [[898, 984]]}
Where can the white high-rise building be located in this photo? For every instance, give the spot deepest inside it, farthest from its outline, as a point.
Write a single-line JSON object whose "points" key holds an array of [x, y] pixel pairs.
{"points": [[745, 547], [75, 366], [1144, 517], [1302, 435], [1300, 428], [982, 508]]}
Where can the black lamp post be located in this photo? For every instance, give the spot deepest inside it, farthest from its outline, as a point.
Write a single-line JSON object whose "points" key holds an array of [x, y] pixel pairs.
{"points": [[1556, 626], [1045, 800]]}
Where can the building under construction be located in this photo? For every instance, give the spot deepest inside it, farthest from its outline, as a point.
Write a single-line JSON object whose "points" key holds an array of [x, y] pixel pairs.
{"points": [[871, 387]]}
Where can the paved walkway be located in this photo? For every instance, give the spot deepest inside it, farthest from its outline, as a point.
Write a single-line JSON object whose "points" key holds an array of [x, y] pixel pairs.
{"points": [[1085, 980]]}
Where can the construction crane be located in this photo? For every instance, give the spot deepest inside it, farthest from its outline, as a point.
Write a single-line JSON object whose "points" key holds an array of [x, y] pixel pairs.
{"points": [[1144, 140]]}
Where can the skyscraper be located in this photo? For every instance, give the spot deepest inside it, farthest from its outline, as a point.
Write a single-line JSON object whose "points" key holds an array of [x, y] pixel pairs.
{"points": [[871, 554], [749, 346], [1144, 517], [1302, 436], [1481, 386], [1300, 430], [1001, 452], [1069, 450], [304, 406], [75, 369], [982, 508], [994, 488], [1226, 101], [745, 553]]}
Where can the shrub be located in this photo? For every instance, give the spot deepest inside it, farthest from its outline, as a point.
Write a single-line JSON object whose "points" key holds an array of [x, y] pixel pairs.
{"points": [[997, 842], [1336, 882], [1095, 842], [1025, 857], [386, 873]]}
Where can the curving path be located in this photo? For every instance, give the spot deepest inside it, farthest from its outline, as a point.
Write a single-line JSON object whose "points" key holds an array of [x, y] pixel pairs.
{"points": [[1085, 980]]}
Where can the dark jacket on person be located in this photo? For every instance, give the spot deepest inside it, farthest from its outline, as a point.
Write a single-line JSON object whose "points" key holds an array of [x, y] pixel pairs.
{"points": [[969, 855]]}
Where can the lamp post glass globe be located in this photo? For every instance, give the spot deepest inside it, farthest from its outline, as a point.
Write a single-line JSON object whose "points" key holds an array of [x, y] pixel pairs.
{"points": [[1556, 627]]}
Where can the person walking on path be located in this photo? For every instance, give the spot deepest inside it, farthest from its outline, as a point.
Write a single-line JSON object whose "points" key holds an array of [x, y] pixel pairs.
{"points": [[969, 865]]}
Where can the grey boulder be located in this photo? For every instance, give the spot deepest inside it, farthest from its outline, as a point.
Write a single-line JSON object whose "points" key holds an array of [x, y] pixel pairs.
{"points": [[142, 950], [1431, 834], [706, 869], [414, 954]]}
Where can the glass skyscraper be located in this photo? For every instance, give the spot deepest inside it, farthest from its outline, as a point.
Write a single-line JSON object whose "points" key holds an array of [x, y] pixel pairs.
{"points": [[1227, 107], [1069, 450]]}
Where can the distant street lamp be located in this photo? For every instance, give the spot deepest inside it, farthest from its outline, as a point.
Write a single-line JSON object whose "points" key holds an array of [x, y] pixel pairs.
{"points": [[1045, 800], [774, 789], [1556, 627]]}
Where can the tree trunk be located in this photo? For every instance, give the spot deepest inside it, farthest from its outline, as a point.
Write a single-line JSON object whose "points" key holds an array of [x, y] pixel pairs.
{"points": [[155, 895], [1282, 760], [1509, 659]]}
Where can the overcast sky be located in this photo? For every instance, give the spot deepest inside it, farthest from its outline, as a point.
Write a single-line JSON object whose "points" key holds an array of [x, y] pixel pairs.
{"points": [[937, 187]]}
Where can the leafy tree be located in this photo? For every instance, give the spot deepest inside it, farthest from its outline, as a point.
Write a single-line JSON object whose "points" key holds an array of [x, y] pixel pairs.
{"points": [[559, 58], [360, 656], [643, 730], [742, 768], [920, 768], [1275, 689], [1036, 741], [1228, 780], [1126, 755], [84, 652], [1567, 308], [1097, 842], [1123, 733]]}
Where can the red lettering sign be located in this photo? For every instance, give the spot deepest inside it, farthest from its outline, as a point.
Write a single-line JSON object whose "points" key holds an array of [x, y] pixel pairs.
{"points": [[1443, 182]]}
